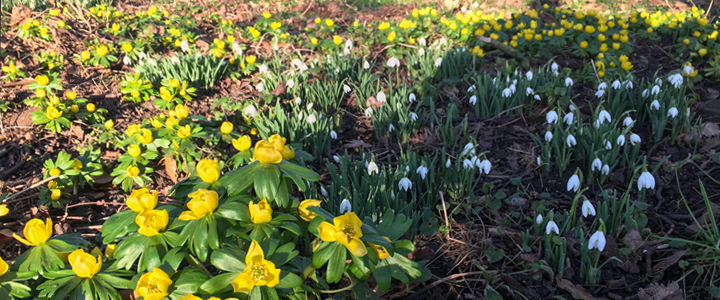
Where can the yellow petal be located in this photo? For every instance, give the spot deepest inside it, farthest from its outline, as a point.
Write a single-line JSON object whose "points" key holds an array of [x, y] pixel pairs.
{"points": [[22, 240], [243, 283], [254, 254], [188, 215], [357, 247], [4, 210], [327, 231]]}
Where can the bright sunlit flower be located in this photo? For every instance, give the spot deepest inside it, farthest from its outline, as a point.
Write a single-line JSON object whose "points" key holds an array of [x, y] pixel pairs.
{"points": [[260, 212], [151, 222], [203, 202], [83, 264], [303, 211], [346, 230], [36, 232], [142, 200], [257, 272], [208, 170], [153, 285]]}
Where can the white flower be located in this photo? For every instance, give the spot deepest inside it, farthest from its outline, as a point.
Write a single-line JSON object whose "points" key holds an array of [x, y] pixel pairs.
{"points": [[539, 219], [537, 98], [185, 46], [672, 112], [236, 49], [422, 170], [250, 111], [411, 98], [551, 117], [448, 163], [573, 183], [620, 140], [336, 158], [422, 41], [600, 93], [393, 62], [263, 69], [539, 161], [572, 107], [473, 100], [597, 164], [372, 168], [300, 116], [405, 184], [346, 88], [311, 119], [646, 180], [568, 82], [421, 51], [606, 169], [506, 93], [554, 68], [348, 45], [333, 135], [634, 139], [597, 241], [627, 121], [345, 206], [438, 62], [658, 81], [552, 227], [645, 93], [604, 115], [570, 141], [608, 145], [628, 84], [413, 117], [152, 62], [468, 148], [127, 60], [468, 164], [529, 92], [471, 88], [676, 80], [655, 105], [484, 166], [391, 128], [688, 70], [368, 111], [309, 106], [602, 86], [323, 191], [392, 195], [260, 87], [141, 55], [381, 97], [529, 75], [548, 136], [568, 119], [366, 65], [616, 84], [588, 209], [512, 88], [290, 83], [655, 90]]}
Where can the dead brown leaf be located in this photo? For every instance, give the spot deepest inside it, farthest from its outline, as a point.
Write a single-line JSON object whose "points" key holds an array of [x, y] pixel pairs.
{"points": [[357, 144], [659, 292], [670, 261], [711, 129], [373, 102], [171, 168], [633, 239], [577, 291]]}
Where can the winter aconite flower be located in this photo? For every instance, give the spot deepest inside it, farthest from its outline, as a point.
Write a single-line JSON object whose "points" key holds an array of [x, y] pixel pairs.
{"points": [[260, 212], [208, 170], [3, 267], [83, 264], [226, 127], [153, 285], [242, 143], [36, 232], [132, 171], [303, 211], [142, 200], [4, 211], [346, 230], [152, 221], [203, 202], [258, 271], [381, 251]]}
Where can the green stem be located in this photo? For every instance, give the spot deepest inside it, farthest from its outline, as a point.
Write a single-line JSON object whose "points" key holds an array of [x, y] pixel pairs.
{"points": [[347, 288], [196, 263]]}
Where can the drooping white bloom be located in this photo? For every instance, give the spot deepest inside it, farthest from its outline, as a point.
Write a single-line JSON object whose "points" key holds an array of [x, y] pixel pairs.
{"points": [[529, 92], [422, 41], [142, 55], [604, 115], [658, 81], [260, 87], [236, 49], [336, 158], [634, 139], [372, 168], [185, 46], [366, 65], [391, 128], [539, 161], [608, 145], [588, 209], [348, 45], [551, 117], [606, 169], [421, 51], [398, 105], [392, 195], [568, 118], [422, 170], [438, 62], [570, 141], [672, 112], [548, 136], [323, 191], [655, 90], [597, 241], [655, 105], [263, 69], [473, 100], [572, 107], [484, 166], [600, 93], [413, 117], [537, 98], [290, 83], [620, 140], [151, 62], [512, 88], [602, 86], [552, 227], [311, 119], [616, 84], [645, 93], [529, 75], [309, 106], [676, 80], [539, 219], [646, 180], [688, 70], [368, 112], [333, 135], [471, 88], [468, 148], [506, 93], [597, 164], [411, 98], [628, 84], [568, 82], [405, 184], [250, 111], [346, 88], [393, 62], [300, 116], [573, 183], [381, 97], [468, 164], [627, 121], [448, 163], [554, 68], [345, 206]]}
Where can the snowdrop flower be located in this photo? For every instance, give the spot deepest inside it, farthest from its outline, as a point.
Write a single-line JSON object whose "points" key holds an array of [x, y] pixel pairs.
{"points": [[413, 117], [333, 135], [606, 169], [473, 99], [551, 117], [336, 158], [529, 92], [236, 49], [568, 82], [597, 123], [372, 168], [263, 69], [290, 83], [422, 170], [628, 84], [381, 97], [421, 51], [570, 141], [537, 98], [438, 62], [468, 164], [602, 86], [672, 112], [260, 87], [572, 107], [471, 88], [658, 81], [323, 191], [529, 75], [688, 70], [539, 161], [142, 56], [484, 166], [368, 112], [348, 46], [597, 164], [588, 209], [655, 105], [422, 41], [185, 46], [634, 139], [645, 93], [127, 60], [250, 111], [468, 148], [554, 68], [655, 90], [346, 88], [568, 119], [548, 136], [676, 80], [608, 145], [392, 195], [345, 206], [539, 219], [391, 128], [604, 115], [366, 65], [616, 84], [573, 183], [597, 241], [152, 62], [311, 119], [646, 180], [448, 163], [552, 227], [393, 62], [309, 106], [506, 93], [599, 93], [411, 98], [620, 140], [512, 88], [405, 184], [300, 116], [515, 80], [627, 121]]}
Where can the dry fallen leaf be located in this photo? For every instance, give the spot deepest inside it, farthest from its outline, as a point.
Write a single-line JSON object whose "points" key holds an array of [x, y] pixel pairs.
{"points": [[575, 290], [658, 292], [711, 129], [670, 261], [171, 168], [356, 144]]}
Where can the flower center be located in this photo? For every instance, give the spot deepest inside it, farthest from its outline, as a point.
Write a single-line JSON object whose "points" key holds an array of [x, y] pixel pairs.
{"points": [[258, 271], [349, 231], [154, 286]]}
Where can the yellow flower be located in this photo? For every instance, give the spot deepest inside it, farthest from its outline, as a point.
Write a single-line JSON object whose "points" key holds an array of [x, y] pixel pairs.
{"points": [[583, 44], [142, 200], [3, 267], [226, 127], [127, 48], [42, 80], [266, 153], [346, 230], [337, 40], [109, 124], [381, 251], [623, 58], [603, 47], [184, 131], [589, 29], [90, 107], [70, 95], [190, 297], [275, 25], [152, 221], [132, 171], [78, 165], [702, 52], [383, 26], [329, 22], [153, 285], [303, 211], [84, 265], [694, 71], [55, 194], [314, 41], [208, 170], [36, 232], [267, 15], [250, 59], [686, 41], [74, 108], [55, 172], [601, 74], [626, 66], [53, 113], [146, 136], [391, 36], [134, 150], [174, 83], [318, 20], [258, 271], [623, 39], [181, 111], [616, 46], [242, 143], [203, 202], [253, 131], [260, 212], [102, 50], [3, 211], [40, 93]]}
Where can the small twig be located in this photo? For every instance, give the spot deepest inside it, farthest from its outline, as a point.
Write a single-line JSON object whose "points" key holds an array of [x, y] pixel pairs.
{"points": [[709, 8], [308, 7], [596, 74], [7, 200]]}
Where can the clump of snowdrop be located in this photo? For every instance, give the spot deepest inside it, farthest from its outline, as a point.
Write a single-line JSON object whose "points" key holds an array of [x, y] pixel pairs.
{"points": [[393, 62]]}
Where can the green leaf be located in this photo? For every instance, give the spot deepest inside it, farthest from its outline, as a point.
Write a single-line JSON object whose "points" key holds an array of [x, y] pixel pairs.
{"points": [[288, 280], [300, 171], [493, 254], [187, 281], [382, 276], [267, 181], [219, 283], [229, 258], [118, 225], [336, 263], [240, 180], [323, 253]]}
